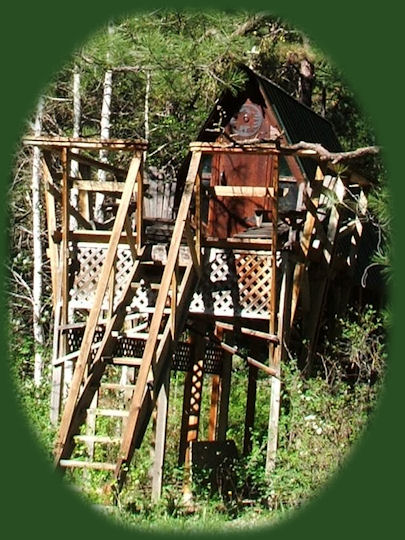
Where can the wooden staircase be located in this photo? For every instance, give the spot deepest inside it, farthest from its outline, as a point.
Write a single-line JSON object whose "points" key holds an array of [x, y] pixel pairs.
{"points": [[175, 287]]}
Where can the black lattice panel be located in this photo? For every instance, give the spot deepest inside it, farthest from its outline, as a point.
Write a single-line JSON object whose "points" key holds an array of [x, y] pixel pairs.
{"points": [[74, 337]]}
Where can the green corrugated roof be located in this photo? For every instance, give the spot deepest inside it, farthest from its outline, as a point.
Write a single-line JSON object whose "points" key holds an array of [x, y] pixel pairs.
{"points": [[299, 122]]}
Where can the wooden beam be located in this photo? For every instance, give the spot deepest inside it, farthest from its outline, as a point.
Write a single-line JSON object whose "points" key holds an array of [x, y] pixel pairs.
{"points": [[248, 331], [100, 187], [241, 191], [85, 143], [162, 407], [277, 356], [250, 410], [94, 315], [234, 350]]}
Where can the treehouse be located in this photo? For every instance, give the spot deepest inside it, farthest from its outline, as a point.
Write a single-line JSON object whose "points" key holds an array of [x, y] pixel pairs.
{"points": [[228, 277]]}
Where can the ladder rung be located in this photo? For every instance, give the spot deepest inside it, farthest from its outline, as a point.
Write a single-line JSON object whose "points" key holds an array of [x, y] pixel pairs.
{"points": [[126, 361], [117, 386], [71, 463], [98, 439], [108, 412]]}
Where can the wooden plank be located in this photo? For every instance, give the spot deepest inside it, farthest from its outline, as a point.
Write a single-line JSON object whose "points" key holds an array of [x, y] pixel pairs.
{"points": [[94, 315], [85, 143], [101, 187], [162, 408], [274, 221], [139, 208], [277, 357], [260, 244], [305, 240], [53, 252], [251, 361], [211, 148], [241, 191], [248, 331], [99, 237], [101, 439], [250, 410], [96, 465], [224, 396]]}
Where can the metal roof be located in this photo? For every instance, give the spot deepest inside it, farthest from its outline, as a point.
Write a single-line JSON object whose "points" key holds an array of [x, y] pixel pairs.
{"points": [[299, 122]]}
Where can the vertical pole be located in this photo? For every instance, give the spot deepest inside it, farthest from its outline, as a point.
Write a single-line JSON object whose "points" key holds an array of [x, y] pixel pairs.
{"points": [[215, 397], [139, 206], [198, 223], [64, 256], [162, 405], [191, 413], [284, 317], [273, 350], [250, 410], [224, 396]]}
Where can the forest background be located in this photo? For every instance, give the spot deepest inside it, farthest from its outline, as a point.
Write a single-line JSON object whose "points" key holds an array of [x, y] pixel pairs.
{"points": [[180, 113]]}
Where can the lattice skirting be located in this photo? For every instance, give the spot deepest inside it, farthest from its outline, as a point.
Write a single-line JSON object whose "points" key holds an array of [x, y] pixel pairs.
{"points": [[236, 282], [129, 347]]}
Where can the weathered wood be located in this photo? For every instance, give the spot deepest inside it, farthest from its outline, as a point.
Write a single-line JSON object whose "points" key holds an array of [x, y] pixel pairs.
{"points": [[277, 357], [224, 396], [85, 143], [250, 410], [102, 187], [241, 191], [76, 464], [149, 356], [305, 240], [248, 331], [89, 333], [162, 407], [249, 360]]}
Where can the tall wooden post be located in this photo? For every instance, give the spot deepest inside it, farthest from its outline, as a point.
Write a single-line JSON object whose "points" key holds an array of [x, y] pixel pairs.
{"points": [[250, 410], [162, 406], [284, 316], [191, 413]]}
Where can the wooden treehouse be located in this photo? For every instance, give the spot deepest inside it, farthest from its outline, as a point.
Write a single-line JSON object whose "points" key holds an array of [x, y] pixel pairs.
{"points": [[261, 230]]}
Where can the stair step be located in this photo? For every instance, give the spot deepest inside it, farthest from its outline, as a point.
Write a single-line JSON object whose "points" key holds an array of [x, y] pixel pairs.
{"points": [[117, 386], [126, 361], [98, 439], [97, 465], [108, 412]]}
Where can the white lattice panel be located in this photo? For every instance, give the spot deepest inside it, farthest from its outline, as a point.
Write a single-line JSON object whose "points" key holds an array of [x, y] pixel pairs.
{"points": [[88, 264], [238, 284]]}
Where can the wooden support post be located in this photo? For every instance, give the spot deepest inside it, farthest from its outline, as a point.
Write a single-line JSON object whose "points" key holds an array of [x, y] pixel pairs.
{"points": [[53, 252], [278, 354], [191, 413], [306, 239], [162, 406], [337, 186], [215, 397], [139, 207], [192, 400], [274, 221], [224, 396], [250, 410]]}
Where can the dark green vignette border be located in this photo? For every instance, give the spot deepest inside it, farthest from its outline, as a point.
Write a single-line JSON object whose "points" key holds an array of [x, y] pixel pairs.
{"points": [[364, 41]]}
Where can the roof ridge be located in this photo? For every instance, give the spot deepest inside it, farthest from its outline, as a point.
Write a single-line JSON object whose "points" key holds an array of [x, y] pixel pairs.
{"points": [[278, 87]]}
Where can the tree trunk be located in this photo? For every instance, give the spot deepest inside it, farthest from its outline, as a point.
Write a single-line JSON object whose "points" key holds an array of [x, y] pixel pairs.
{"points": [[104, 133], [37, 252], [306, 85], [74, 165]]}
